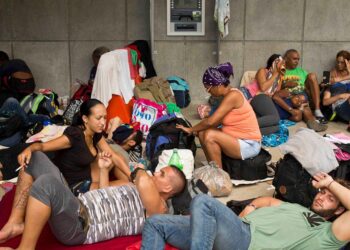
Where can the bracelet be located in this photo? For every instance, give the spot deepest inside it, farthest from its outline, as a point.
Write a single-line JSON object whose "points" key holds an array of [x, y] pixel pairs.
{"points": [[330, 184], [252, 205], [134, 173]]}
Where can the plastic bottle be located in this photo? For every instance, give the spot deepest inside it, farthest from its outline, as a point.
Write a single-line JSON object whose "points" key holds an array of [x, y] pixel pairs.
{"points": [[175, 160], [46, 123]]}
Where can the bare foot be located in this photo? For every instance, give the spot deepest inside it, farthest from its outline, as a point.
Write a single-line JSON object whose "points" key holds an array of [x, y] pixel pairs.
{"points": [[11, 230], [6, 248]]}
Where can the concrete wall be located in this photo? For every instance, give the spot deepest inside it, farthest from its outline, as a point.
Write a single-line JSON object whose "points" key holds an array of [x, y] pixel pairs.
{"points": [[56, 37]]}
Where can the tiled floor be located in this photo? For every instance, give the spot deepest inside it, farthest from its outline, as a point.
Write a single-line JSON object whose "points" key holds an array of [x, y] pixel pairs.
{"points": [[261, 189]]}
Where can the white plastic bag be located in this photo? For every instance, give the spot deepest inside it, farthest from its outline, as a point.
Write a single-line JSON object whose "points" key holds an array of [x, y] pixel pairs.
{"points": [[187, 159], [216, 179]]}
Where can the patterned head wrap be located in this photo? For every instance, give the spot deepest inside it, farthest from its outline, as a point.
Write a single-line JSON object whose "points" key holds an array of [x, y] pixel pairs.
{"points": [[218, 75]]}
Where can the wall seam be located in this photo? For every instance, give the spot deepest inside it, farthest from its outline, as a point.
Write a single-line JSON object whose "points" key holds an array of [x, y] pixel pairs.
{"points": [[244, 34], [69, 48], [126, 22], [303, 32]]}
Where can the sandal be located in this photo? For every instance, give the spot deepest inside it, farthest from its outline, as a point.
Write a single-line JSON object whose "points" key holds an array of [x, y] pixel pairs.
{"points": [[318, 127]]}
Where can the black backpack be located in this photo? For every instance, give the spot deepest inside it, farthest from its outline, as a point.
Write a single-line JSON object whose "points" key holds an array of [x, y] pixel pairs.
{"points": [[293, 182], [250, 169], [163, 134], [9, 125], [180, 204]]}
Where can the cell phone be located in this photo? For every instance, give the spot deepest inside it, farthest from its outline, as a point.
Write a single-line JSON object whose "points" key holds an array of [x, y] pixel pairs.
{"points": [[326, 77]]}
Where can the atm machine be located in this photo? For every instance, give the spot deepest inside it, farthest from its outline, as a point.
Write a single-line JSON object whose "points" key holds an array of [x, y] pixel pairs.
{"points": [[185, 17]]}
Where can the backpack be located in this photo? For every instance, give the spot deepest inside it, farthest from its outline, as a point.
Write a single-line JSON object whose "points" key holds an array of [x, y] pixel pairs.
{"points": [[250, 169], [155, 89], [181, 91], [83, 93], [71, 110], [180, 204], [9, 125], [163, 134], [45, 104], [292, 182]]}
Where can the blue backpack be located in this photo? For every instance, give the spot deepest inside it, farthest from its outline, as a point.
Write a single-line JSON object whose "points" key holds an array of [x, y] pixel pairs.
{"points": [[181, 91], [163, 134]]}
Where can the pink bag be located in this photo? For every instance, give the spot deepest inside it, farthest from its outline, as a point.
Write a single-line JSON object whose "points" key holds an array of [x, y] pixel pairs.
{"points": [[146, 112]]}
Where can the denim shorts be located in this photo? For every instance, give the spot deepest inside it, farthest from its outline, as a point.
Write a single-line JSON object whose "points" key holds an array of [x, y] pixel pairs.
{"points": [[249, 148]]}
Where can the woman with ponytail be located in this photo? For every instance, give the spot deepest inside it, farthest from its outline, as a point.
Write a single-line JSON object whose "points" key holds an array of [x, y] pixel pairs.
{"points": [[76, 151], [239, 137]]}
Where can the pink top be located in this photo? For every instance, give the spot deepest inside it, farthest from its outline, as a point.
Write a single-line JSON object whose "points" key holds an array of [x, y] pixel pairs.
{"points": [[241, 123], [254, 88]]}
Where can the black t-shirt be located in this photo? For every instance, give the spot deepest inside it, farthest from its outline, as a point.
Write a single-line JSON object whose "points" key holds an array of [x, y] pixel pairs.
{"points": [[74, 162]]}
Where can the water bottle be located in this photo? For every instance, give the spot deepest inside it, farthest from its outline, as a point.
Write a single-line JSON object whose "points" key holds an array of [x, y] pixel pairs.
{"points": [[46, 123], [175, 160]]}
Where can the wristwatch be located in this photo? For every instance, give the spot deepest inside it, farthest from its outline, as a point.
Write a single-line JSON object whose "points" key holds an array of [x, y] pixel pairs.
{"points": [[134, 173]]}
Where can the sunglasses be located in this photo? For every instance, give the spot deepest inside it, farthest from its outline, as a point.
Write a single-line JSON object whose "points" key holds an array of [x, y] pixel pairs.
{"points": [[208, 89]]}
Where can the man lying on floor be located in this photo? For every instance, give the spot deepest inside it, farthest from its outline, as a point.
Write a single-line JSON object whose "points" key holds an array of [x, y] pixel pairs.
{"points": [[95, 216], [266, 223]]}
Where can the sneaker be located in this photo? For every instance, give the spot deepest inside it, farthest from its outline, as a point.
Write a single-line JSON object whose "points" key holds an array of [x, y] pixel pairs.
{"points": [[321, 119], [314, 125]]}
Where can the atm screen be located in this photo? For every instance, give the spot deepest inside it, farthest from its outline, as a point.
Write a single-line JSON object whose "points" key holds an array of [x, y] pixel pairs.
{"points": [[185, 4]]}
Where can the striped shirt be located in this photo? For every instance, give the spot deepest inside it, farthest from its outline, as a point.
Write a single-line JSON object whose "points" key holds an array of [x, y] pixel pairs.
{"points": [[112, 212]]}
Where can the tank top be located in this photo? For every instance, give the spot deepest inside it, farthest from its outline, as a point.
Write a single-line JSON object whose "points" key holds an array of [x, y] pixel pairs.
{"points": [[344, 81], [112, 212], [290, 226], [241, 123]]}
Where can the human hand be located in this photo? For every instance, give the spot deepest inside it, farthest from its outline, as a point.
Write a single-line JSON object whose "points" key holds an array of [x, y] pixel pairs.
{"points": [[113, 124], [322, 180], [344, 96], [295, 112], [281, 67], [104, 160], [291, 84], [185, 129], [347, 65], [247, 210], [24, 157]]}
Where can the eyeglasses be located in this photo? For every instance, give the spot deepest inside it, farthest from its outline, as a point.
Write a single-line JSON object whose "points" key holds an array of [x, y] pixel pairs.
{"points": [[208, 89]]}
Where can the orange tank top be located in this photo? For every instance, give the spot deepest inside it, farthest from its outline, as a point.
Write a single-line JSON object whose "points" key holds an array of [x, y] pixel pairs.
{"points": [[241, 123]]}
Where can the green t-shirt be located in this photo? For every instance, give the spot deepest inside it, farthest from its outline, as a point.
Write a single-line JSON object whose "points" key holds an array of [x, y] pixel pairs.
{"points": [[296, 75], [290, 226]]}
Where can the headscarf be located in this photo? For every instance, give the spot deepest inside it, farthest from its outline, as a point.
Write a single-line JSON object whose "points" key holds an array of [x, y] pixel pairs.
{"points": [[218, 75]]}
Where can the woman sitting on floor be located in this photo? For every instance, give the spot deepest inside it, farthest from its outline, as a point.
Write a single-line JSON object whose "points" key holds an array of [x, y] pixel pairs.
{"points": [[77, 148], [239, 137]]}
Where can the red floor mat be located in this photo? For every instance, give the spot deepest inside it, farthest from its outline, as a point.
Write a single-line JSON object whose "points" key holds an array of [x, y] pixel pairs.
{"points": [[48, 241]]}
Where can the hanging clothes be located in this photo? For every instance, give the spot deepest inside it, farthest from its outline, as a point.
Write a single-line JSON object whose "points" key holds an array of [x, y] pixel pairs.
{"points": [[222, 16], [146, 56], [113, 77]]}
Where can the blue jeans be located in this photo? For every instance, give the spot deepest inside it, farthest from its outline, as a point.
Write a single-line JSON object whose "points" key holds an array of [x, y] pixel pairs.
{"points": [[11, 106], [212, 225], [343, 111]]}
